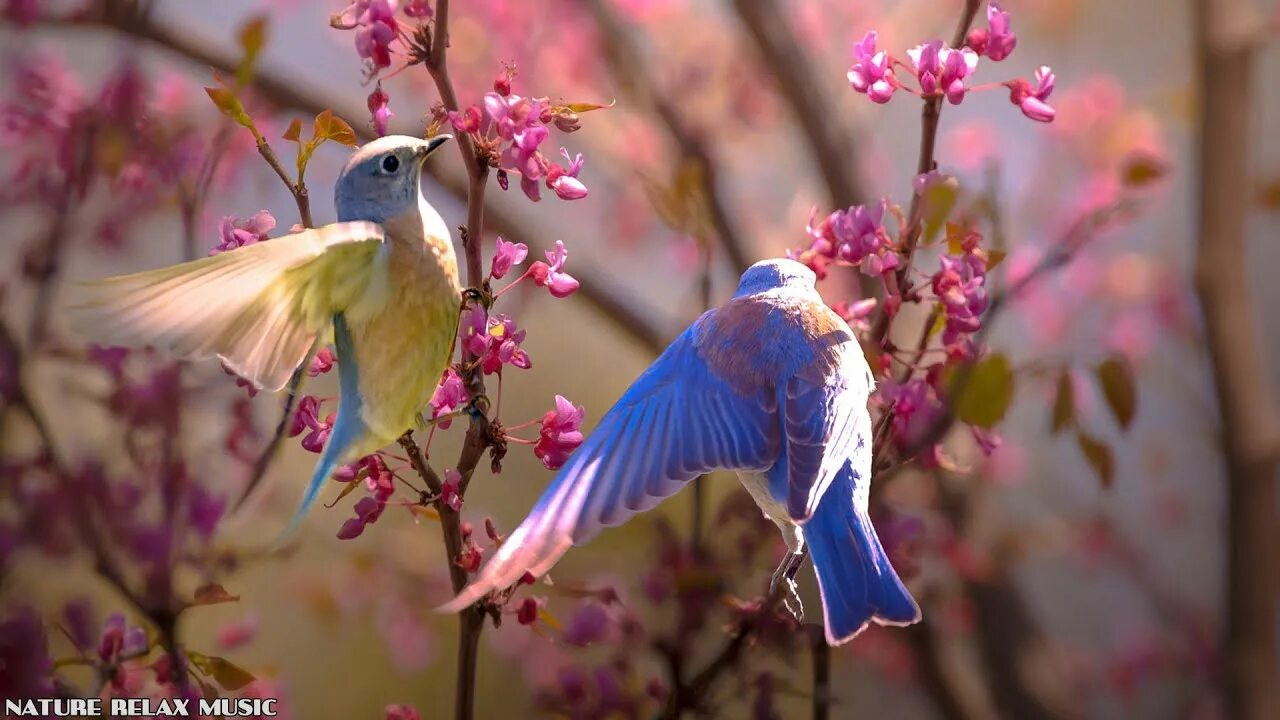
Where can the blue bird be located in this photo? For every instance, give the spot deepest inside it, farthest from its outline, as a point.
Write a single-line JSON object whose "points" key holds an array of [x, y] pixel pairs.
{"points": [[773, 385]]}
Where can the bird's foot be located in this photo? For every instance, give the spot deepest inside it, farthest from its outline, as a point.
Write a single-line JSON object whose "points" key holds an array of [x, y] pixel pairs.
{"points": [[791, 600], [785, 575]]}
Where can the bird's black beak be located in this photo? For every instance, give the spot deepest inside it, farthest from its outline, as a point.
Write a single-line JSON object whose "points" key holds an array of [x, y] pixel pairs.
{"points": [[424, 151]]}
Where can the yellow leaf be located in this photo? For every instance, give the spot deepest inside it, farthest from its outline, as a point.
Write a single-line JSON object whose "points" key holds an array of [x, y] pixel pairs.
{"points": [[227, 102], [294, 133], [546, 617], [427, 512], [937, 202], [253, 37], [330, 127], [987, 392], [994, 258], [939, 322], [229, 675], [588, 107]]}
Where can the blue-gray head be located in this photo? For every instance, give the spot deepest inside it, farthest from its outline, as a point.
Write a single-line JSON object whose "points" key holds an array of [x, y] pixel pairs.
{"points": [[775, 274], [382, 178]]}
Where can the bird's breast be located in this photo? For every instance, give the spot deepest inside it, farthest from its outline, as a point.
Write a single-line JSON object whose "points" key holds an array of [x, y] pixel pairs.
{"points": [[403, 347]]}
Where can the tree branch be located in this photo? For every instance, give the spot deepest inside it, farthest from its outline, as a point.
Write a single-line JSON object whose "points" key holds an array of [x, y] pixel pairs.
{"points": [[629, 71], [1227, 36], [624, 310]]}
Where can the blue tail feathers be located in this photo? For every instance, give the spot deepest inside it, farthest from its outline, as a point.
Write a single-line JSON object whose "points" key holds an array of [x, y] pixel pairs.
{"points": [[857, 583], [347, 429]]}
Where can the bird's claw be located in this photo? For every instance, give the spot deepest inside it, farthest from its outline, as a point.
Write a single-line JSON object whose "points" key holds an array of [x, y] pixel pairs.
{"points": [[791, 601], [786, 573]]}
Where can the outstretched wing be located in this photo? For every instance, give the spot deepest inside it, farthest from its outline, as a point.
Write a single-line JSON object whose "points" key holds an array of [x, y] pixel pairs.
{"points": [[677, 421], [260, 307]]}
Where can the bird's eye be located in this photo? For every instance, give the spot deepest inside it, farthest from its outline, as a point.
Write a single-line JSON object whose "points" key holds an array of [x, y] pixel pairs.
{"points": [[390, 163]]}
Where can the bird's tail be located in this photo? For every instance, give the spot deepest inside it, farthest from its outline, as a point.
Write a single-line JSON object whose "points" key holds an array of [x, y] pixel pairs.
{"points": [[349, 436], [857, 583]]}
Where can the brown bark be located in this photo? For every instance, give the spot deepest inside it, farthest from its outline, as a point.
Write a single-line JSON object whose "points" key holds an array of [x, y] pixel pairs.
{"points": [[1227, 33]]}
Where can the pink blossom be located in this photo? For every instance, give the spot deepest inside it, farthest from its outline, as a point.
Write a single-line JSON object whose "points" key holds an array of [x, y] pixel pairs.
{"points": [[997, 40], [307, 418], [322, 363], [1032, 100], [505, 256], [564, 181], [941, 69], [871, 73], [561, 433], [376, 28], [551, 276], [234, 233], [961, 287], [587, 625], [379, 109], [450, 395]]}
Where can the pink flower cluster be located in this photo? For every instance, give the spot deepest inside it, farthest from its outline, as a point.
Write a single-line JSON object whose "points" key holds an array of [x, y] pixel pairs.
{"points": [[380, 484], [511, 129], [960, 286], [376, 28], [945, 71], [855, 236], [495, 340]]}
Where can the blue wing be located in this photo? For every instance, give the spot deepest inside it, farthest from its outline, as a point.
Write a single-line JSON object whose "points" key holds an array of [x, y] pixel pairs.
{"points": [[677, 421]]}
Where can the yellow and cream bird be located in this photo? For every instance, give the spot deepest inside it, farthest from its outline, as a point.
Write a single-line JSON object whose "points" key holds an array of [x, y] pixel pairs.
{"points": [[384, 278]]}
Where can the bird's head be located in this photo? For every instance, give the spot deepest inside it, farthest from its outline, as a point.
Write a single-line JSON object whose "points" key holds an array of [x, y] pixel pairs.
{"points": [[775, 274], [381, 180]]}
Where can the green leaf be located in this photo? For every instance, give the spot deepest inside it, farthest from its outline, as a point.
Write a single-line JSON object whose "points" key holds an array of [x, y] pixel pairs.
{"points": [[1115, 375], [253, 37], [213, 594], [937, 203], [1064, 403], [1099, 456], [227, 102], [331, 127], [226, 673], [986, 393]]}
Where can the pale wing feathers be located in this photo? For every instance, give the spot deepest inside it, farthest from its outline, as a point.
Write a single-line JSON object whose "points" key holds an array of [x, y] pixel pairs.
{"points": [[676, 422], [260, 307]]}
